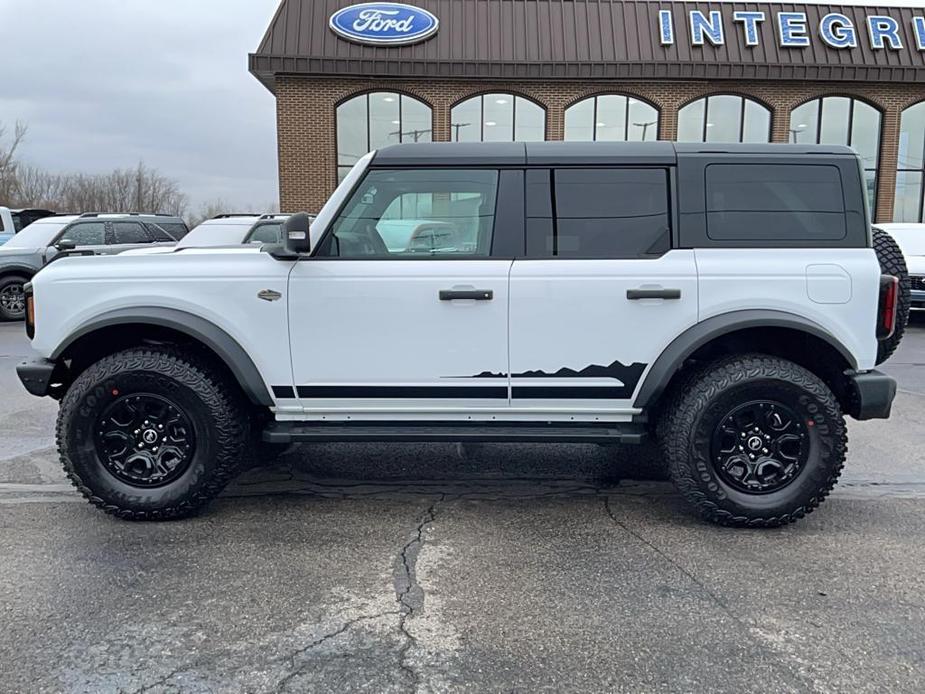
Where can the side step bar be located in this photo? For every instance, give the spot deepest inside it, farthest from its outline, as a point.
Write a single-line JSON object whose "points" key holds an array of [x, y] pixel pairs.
{"points": [[328, 432]]}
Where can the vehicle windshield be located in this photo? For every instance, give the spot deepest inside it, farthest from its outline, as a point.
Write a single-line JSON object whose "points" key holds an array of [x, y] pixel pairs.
{"points": [[911, 241], [37, 235], [225, 233]]}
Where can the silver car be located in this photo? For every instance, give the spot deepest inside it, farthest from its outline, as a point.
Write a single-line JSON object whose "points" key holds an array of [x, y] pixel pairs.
{"points": [[97, 234]]}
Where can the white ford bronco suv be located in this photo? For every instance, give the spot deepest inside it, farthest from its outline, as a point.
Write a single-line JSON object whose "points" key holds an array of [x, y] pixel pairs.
{"points": [[724, 301]]}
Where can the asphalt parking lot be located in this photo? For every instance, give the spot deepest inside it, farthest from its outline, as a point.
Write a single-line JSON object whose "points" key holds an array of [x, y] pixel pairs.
{"points": [[500, 568]]}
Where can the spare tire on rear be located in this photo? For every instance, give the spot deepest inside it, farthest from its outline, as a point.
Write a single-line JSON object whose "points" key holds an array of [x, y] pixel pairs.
{"points": [[893, 263]]}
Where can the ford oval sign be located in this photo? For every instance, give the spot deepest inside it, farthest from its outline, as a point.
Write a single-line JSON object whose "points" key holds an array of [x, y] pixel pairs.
{"points": [[384, 23]]}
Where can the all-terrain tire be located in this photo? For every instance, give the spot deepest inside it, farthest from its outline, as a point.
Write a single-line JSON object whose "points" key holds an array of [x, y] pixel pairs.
{"points": [[214, 408], [892, 262], [687, 432], [12, 299]]}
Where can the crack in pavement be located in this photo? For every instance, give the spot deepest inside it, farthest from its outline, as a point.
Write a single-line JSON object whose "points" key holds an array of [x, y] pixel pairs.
{"points": [[409, 593], [808, 681], [291, 658], [163, 680]]}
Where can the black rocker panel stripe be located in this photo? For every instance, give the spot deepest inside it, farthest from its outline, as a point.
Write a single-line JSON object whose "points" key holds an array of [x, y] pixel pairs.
{"points": [[394, 392], [283, 392], [572, 392]]}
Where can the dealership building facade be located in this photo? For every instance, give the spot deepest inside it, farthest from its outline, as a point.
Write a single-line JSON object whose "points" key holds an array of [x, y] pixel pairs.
{"points": [[350, 78]]}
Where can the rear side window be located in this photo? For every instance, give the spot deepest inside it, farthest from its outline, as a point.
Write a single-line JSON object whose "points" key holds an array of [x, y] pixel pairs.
{"points": [[175, 229], [129, 232], [159, 234], [774, 202], [598, 213]]}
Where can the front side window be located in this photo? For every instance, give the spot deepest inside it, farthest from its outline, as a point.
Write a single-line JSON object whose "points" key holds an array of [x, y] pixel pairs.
{"points": [[498, 118], [724, 118], [840, 120], [417, 214], [598, 213], [372, 121], [86, 234], [910, 192], [774, 202], [611, 118]]}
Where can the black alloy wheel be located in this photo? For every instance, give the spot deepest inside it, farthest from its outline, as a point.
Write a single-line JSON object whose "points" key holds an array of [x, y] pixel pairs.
{"points": [[760, 447], [145, 440]]}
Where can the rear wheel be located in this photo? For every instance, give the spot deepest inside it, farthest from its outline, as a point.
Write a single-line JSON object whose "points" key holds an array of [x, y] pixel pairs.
{"points": [[892, 262], [12, 298], [754, 441], [150, 434]]}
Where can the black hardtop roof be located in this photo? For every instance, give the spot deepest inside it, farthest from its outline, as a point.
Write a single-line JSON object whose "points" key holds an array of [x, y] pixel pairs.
{"points": [[574, 153]]}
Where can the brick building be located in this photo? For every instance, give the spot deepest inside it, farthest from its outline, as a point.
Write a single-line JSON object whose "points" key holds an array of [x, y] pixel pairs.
{"points": [[349, 79]]}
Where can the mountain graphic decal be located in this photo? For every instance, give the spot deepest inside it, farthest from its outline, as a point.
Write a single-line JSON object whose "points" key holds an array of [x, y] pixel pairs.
{"points": [[628, 376]]}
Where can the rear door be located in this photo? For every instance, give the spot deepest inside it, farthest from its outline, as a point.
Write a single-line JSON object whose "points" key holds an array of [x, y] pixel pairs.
{"points": [[600, 293]]}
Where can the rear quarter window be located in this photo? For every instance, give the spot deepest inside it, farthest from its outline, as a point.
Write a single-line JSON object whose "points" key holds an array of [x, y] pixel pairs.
{"points": [[774, 202]]}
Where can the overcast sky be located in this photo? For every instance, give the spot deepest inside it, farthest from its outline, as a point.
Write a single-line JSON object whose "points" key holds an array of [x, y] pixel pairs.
{"points": [[105, 83]]}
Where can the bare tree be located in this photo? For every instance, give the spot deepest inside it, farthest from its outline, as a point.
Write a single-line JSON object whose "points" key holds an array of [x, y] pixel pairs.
{"points": [[8, 162], [36, 187], [217, 206]]}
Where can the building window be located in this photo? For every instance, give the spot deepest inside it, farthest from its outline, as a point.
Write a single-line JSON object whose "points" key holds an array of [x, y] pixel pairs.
{"points": [[841, 120], [724, 118], [909, 205], [378, 119], [611, 117], [498, 118]]}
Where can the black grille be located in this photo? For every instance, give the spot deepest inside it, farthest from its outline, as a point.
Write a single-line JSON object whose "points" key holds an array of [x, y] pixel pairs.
{"points": [[918, 282]]}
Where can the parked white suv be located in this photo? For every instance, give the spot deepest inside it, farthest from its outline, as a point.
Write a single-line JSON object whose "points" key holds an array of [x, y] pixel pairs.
{"points": [[725, 300]]}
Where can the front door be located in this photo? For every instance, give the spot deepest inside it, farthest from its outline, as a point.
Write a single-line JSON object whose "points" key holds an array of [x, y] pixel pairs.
{"points": [[600, 292], [401, 313]]}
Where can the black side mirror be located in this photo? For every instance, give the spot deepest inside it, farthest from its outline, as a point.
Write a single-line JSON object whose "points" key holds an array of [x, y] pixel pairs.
{"points": [[296, 238], [65, 245]]}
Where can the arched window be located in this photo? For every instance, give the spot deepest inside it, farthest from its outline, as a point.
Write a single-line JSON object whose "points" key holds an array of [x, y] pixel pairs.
{"points": [[370, 121], [911, 171], [611, 117], [841, 120], [498, 118], [724, 118]]}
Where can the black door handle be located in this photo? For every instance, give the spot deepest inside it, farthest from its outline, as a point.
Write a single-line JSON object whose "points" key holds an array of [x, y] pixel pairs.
{"points": [[473, 294], [636, 294]]}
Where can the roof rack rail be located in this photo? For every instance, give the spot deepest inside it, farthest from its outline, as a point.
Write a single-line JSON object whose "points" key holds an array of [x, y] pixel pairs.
{"points": [[274, 215], [226, 215], [126, 214]]}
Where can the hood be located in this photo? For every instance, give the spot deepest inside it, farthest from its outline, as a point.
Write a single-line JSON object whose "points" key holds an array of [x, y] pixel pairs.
{"points": [[17, 252]]}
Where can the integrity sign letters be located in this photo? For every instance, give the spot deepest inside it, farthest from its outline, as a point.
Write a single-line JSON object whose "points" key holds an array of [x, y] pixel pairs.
{"points": [[792, 29]]}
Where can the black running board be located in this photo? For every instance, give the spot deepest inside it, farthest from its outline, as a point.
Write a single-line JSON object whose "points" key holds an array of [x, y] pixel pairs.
{"points": [[328, 432]]}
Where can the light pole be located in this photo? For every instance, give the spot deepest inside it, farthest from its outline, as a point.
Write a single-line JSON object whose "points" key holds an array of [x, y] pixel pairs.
{"points": [[645, 128]]}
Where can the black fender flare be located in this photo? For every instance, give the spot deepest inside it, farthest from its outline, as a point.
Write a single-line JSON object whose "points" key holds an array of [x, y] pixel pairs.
{"points": [[26, 271], [685, 344], [227, 348]]}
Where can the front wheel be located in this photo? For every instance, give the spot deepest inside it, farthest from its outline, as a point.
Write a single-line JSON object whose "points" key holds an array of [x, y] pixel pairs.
{"points": [[754, 441], [151, 434], [12, 298]]}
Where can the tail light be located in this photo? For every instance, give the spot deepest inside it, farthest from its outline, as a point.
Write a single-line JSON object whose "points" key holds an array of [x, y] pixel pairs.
{"points": [[889, 303], [30, 310]]}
